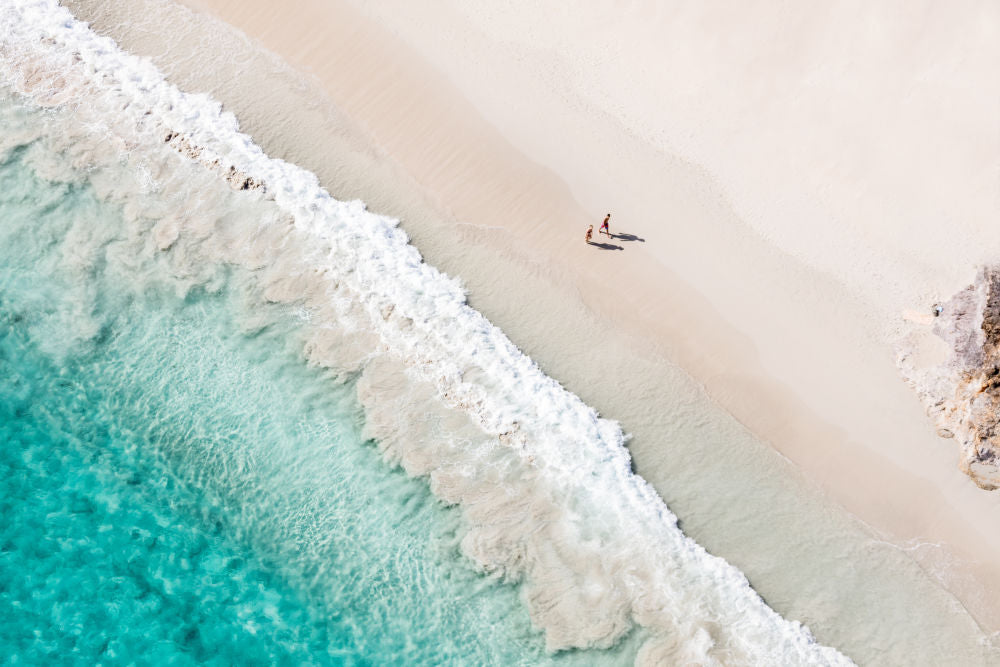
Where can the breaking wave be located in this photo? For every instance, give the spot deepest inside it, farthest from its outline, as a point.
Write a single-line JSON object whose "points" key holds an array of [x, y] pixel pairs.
{"points": [[545, 485]]}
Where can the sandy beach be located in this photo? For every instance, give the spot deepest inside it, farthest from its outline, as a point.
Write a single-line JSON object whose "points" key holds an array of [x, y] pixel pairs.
{"points": [[783, 185]]}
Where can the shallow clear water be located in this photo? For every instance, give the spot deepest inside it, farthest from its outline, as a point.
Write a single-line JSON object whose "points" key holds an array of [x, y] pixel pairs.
{"points": [[185, 486], [176, 490]]}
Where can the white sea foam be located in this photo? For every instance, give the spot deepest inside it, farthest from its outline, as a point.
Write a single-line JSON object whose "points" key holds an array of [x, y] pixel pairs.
{"points": [[545, 484]]}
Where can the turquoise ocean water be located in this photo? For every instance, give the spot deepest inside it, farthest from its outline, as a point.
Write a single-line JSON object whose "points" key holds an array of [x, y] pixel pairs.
{"points": [[176, 489], [214, 373], [243, 422]]}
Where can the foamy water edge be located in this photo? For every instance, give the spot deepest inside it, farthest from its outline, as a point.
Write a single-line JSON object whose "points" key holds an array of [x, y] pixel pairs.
{"points": [[597, 548]]}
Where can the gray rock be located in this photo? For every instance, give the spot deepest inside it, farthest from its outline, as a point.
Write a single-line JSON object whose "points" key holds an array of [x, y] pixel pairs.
{"points": [[962, 395]]}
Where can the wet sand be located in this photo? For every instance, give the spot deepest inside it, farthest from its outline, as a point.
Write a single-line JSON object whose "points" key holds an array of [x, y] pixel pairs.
{"points": [[731, 288]]}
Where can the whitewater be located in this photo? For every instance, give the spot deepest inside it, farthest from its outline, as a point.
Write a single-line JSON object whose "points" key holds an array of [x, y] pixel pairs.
{"points": [[544, 485]]}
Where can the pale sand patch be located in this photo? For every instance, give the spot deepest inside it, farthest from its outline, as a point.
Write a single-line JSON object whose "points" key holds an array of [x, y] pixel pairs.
{"points": [[779, 331], [928, 350]]}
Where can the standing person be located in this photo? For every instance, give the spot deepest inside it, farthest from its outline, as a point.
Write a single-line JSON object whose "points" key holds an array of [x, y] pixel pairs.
{"points": [[605, 227], [590, 233]]}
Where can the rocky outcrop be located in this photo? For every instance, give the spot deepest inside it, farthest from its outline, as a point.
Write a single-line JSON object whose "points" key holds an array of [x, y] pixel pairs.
{"points": [[237, 179], [962, 391]]}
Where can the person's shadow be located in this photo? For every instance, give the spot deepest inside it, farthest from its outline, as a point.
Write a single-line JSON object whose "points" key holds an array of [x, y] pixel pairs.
{"points": [[606, 246], [628, 237]]}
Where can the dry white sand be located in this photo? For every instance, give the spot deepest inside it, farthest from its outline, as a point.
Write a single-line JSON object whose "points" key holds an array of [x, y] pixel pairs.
{"points": [[794, 178]]}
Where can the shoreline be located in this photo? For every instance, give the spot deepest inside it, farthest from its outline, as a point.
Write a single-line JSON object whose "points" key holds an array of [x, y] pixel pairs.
{"points": [[674, 321]]}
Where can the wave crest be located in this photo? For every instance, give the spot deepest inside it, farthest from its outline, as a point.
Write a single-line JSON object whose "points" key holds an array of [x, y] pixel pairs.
{"points": [[545, 484]]}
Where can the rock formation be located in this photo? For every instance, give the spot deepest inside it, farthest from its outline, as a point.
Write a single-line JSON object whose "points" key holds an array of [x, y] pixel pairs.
{"points": [[962, 392], [236, 178]]}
